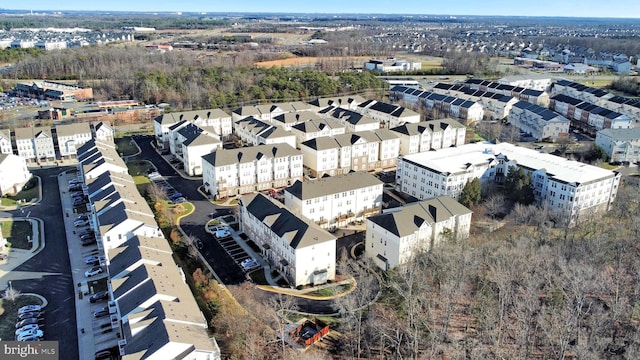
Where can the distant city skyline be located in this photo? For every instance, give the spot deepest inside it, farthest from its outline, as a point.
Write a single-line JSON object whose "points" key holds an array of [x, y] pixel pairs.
{"points": [[584, 8]]}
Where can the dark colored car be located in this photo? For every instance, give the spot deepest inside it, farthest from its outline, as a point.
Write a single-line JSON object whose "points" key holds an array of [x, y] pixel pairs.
{"points": [[101, 312], [99, 296], [89, 242]]}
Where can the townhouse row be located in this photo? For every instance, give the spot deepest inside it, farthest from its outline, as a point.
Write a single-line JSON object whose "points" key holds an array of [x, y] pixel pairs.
{"points": [[45, 143], [588, 117], [151, 307]]}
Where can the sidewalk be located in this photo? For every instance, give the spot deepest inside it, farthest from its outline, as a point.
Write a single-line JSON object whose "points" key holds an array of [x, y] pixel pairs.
{"points": [[16, 257]]}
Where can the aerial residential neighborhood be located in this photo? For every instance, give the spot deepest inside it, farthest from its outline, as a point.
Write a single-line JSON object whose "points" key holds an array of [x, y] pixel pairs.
{"points": [[285, 186]]}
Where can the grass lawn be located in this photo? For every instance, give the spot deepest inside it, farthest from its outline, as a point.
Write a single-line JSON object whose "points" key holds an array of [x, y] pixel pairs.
{"points": [[9, 314], [608, 166], [331, 290], [16, 232], [31, 190], [258, 277], [125, 146], [138, 171]]}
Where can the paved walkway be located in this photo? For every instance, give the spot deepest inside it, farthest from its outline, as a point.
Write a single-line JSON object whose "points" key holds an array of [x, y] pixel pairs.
{"points": [[15, 257]]}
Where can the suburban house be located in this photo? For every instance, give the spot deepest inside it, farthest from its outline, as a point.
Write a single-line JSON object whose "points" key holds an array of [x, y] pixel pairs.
{"points": [[298, 248], [13, 174], [316, 128], [537, 121], [427, 135], [388, 115], [150, 304], [35, 143], [621, 145], [230, 172], [71, 136], [360, 151], [103, 131], [336, 200], [394, 236], [5, 142], [568, 187]]}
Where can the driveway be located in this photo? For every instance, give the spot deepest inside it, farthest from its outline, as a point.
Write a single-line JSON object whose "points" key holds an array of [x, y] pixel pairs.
{"points": [[56, 284]]}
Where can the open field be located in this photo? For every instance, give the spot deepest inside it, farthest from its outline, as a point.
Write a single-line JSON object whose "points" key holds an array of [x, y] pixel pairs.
{"points": [[310, 61]]}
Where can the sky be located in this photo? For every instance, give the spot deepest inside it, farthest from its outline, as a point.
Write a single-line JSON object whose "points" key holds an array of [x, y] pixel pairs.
{"points": [[573, 8]]}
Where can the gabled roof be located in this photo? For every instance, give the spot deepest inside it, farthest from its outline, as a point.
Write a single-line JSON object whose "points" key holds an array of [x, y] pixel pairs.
{"points": [[321, 143], [300, 231], [72, 129], [224, 157], [332, 185], [408, 219]]}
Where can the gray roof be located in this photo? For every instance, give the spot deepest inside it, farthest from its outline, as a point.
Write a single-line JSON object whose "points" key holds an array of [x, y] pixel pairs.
{"points": [[303, 232], [409, 218], [332, 185], [427, 126], [224, 157], [321, 143], [172, 118], [32, 132], [317, 125], [72, 129], [632, 134]]}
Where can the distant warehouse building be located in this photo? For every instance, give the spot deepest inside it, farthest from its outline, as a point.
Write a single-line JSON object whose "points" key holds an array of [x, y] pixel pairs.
{"points": [[53, 91]]}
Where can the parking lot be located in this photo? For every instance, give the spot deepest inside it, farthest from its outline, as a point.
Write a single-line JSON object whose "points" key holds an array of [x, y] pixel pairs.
{"points": [[230, 243]]}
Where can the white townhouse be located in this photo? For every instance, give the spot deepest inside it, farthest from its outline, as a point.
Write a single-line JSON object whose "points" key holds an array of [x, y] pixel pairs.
{"points": [[540, 123], [427, 135], [316, 128], [621, 145], [94, 160], [443, 105], [624, 105], [588, 116], [264, 112], [103, 131], [345, 102], [5, 142], [353, 121], [529, 81], [298, 248], [194, 148], [230, 172], [288, 120], [172, 136], [579, 91], [71, 136], [13, 173], [568, 187], [388, 115], [394, 236], [257, 132], [360, 151], [336, 200], [216, 119], [188, 133], [35, 143]]}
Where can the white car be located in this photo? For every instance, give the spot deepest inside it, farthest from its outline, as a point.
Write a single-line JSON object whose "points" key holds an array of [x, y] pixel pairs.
{"points": [[80, 223], [29, 308], [28, 334], [249, 264], [26, 328], [93, 271]]}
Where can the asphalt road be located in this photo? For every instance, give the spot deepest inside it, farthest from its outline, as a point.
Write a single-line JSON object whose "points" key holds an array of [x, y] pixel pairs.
{"points": [[57, 286], [225, 267]]}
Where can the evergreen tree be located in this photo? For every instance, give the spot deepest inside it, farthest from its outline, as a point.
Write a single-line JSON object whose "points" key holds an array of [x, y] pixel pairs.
{"points": [[518, 187], [471, 193]]}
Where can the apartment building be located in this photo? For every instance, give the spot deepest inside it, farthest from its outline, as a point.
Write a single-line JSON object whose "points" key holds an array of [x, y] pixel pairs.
{"points": [[360, 151], [540, 123], [230, 172], [35, 143], [336, 200], [69, 137], [588, 116], [570, 188], [427, 135], [13, 174], [621, 145], [388, 115], [219, 121], [298, 248], [394, 236]]}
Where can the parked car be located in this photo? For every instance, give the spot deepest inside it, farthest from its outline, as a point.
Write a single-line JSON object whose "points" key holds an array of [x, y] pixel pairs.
{"points": [[249, 264], [75, 181], [78, 202], [29, 315], [78, 223], [29, 334], [89, 242], [29, 308], [179, 200], [174, 195], [93, 271], [93, 260], [99, 296], [101, 312], [31, 338], [26, 328], [25, 322], [103, 355]]}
